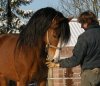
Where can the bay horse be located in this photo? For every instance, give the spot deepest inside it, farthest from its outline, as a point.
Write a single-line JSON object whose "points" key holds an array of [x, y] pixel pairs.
{"points": [[23, 56]]}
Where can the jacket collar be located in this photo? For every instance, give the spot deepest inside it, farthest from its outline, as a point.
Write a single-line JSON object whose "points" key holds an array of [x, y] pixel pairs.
{"points": [[93, 26]]}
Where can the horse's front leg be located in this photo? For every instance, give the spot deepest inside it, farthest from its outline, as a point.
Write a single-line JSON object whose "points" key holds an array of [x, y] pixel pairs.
{"points": [[21, 83], [3, 80], [42, 83]]}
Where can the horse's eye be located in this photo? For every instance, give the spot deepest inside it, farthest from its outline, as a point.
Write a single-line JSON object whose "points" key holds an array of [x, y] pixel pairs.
{"points": [[57, 33], [55, 36]]}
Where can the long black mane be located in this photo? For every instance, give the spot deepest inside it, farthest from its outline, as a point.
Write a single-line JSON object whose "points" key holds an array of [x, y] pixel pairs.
{"points": [[38, 25]]}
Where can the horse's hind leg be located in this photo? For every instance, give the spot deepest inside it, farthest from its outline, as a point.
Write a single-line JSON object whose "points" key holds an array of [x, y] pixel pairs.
{"points": [[3, 81]]}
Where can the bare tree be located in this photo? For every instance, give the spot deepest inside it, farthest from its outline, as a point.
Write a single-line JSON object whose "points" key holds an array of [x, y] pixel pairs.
{"points": [[74, 7]]}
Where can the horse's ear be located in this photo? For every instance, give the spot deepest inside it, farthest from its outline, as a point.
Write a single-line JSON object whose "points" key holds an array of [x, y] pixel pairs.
{"points": [[70, 18]]}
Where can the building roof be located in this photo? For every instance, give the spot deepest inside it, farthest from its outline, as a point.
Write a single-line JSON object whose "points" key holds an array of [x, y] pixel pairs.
{"points": [[76, 30]]}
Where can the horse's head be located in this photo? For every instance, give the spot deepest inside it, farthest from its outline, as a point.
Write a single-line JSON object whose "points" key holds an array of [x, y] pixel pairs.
{"points": [[47, 27], [58, 33]]}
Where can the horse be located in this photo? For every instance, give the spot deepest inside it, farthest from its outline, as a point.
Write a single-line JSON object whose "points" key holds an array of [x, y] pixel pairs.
{"points": [[23, 55]]}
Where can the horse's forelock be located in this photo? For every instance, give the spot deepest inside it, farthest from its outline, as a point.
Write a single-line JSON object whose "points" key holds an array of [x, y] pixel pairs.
{"points": [[62, 25], [64, 29]]}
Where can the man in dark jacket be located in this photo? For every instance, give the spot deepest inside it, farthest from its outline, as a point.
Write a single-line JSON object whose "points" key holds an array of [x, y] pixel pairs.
{"points": [[86, 52]]}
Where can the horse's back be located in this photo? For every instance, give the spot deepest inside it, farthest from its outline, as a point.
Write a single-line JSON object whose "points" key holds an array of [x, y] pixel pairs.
{"points": [[7, 48]]}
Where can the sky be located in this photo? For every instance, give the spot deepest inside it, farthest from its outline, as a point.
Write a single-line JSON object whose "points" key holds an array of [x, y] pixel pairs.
{"points": [[37, 4]]}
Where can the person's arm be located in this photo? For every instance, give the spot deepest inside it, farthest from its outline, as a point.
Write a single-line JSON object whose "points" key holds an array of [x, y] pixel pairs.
{"points": [[79, 52]]}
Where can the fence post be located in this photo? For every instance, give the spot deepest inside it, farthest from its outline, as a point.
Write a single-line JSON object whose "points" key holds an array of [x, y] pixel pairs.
{"points": [[50, 75]]}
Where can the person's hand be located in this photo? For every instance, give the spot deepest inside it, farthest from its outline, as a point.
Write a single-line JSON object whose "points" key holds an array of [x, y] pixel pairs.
{"points": [[51, 64]]}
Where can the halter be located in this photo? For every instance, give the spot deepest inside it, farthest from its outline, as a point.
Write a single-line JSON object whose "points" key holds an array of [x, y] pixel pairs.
{"points": [[56, 58]]}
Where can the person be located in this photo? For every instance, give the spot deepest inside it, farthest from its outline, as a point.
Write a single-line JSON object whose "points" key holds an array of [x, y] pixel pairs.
{"points": [[86, 52]]}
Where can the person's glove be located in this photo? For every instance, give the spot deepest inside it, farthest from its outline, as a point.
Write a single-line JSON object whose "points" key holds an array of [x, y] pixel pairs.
{"points": [[51, 64]]}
